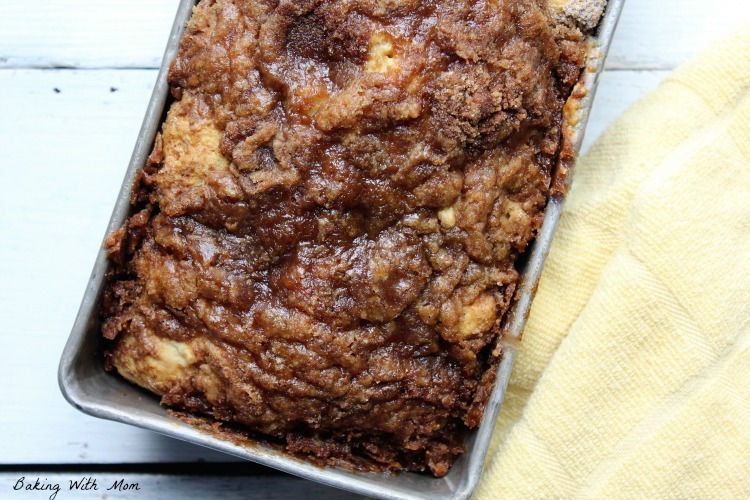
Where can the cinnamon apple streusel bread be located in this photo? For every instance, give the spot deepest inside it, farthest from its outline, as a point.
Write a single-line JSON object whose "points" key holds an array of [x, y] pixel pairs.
{"points": [[324, 237]]}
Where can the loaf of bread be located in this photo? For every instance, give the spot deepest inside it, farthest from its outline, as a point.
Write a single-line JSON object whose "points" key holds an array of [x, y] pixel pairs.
{"points": [[324, 240]]}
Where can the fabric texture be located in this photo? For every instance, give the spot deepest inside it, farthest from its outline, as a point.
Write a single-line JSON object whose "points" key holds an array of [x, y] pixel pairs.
{"points": [[633, 377]]}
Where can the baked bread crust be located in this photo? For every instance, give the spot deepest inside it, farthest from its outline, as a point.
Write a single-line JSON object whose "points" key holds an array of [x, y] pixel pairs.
{"points": [[583, 14], [324, 240]]}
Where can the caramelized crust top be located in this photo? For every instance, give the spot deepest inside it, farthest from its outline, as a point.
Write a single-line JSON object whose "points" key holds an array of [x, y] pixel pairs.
{"points": [[326, 230]]}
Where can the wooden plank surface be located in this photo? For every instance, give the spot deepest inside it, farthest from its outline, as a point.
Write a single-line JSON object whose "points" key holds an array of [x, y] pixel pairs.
{"points": [[65, 139], [660, 34], [84, 33]]}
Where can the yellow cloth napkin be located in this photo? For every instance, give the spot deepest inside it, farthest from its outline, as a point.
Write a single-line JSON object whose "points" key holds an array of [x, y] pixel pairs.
{"points": [[633, 378]]}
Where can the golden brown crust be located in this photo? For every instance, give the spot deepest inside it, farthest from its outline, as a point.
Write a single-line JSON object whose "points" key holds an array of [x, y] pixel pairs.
{"points": [[330, 219]]}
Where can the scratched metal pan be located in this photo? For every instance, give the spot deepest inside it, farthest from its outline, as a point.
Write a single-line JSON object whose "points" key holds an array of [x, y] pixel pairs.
{"points": [[86, 385]]}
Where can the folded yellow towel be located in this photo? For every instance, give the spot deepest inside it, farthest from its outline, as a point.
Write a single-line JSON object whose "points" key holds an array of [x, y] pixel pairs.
{"points": [[633, 378]]}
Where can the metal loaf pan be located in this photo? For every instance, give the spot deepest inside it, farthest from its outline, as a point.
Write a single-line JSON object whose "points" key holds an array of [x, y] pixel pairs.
{"points": [[86, 385]]}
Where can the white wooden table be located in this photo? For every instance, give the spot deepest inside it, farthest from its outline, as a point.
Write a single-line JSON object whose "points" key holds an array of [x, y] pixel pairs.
{"points": [[75, 78]]}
